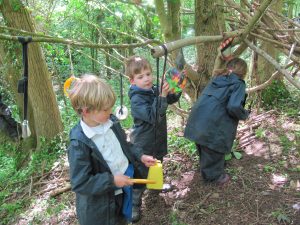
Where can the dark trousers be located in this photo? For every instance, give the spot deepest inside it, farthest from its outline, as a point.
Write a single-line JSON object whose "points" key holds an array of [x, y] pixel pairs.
{"points": [[211, 163], [120, 220]]}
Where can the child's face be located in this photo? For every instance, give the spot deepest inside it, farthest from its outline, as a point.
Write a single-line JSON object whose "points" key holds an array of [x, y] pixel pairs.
{"points": [[95, 117], [143, 80]]}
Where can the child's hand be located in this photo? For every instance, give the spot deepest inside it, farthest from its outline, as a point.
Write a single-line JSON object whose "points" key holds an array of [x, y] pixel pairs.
{"points": [[165, 89], [121, 180], [148, 160]]}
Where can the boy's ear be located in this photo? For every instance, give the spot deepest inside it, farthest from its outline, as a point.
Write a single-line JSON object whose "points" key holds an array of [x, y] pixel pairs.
{"points": [[84, 111], [131, 81]]}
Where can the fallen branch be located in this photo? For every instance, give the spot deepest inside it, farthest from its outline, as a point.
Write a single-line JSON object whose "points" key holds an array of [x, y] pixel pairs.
{"points": [[245, 136], [243, 141], [252, 126], [60, 190], [246, 144]]}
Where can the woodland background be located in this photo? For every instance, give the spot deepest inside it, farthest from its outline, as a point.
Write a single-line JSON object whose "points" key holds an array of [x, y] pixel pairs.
{"points": [[72, 37]]}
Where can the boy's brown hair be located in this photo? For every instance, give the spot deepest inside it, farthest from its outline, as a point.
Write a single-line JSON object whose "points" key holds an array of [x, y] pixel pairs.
{"points": [[92, 93], [235, 65], [135, 64]]}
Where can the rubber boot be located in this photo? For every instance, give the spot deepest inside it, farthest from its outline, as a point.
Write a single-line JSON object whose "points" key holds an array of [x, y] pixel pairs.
{"points": [[136, 204]]}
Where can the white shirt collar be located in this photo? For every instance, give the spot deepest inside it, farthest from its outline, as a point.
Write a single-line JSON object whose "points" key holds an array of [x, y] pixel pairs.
{"points": [[92, 131]]}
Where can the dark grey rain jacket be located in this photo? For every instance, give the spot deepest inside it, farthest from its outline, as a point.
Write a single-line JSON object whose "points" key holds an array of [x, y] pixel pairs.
{"points": [[143, 110], [91, 178], [215, 115]]}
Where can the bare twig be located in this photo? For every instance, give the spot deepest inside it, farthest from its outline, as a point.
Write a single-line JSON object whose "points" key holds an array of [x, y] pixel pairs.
{"points": [[274, 63], [60, 190]]}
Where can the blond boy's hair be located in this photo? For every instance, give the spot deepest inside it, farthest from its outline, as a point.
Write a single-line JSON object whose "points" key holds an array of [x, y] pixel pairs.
{"points": [[135, 64], [92, 93]]}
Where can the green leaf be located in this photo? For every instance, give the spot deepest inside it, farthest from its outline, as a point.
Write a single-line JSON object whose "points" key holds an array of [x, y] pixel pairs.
{"points": [[228, 156], [237, 155], [282, 218]]}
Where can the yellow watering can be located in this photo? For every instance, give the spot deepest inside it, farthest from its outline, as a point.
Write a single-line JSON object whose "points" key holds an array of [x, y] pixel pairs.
{"points": [[155, 177]]}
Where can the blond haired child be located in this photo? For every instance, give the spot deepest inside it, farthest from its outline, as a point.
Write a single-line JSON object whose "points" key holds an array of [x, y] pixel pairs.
{"points": [[99, 156]]}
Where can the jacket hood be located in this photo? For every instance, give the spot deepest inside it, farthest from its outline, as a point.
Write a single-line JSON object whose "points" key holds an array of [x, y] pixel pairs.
{"points": [[136, 90], [226, 80]]}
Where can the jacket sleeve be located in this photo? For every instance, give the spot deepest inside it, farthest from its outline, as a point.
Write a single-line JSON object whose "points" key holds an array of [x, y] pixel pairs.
{"points": [[136, 151], [141, 109], [236, 100], [172, 98], [83, 181]]}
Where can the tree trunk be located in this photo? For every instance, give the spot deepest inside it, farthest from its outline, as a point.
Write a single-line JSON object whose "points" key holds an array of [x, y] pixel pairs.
{"points": [[170, 22], [208, 21], [46, 118]]}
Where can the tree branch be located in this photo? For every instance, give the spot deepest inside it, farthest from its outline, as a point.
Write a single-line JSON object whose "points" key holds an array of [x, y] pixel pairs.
{"points": [[79, 43], [268, 82], [258, 13], [171, 46], [273, 62], [273, 41]]}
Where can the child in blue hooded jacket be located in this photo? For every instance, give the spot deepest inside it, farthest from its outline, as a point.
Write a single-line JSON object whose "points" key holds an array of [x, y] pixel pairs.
{"points": [[214, 118], [148, 109]]}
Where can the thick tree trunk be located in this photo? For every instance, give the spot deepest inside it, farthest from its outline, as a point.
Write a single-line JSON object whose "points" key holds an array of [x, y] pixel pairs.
{"points": [[46, 117], [208, 21]]}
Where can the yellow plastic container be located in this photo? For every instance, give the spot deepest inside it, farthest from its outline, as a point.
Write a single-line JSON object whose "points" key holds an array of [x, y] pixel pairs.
{"points": [[156, 173], [68, 83]]}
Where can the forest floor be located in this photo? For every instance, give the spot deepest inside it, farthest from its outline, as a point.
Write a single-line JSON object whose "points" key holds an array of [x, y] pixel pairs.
{"points": [[264, 186]]}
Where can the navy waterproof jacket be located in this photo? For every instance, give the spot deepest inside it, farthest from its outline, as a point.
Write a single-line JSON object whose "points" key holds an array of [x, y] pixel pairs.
{"points": [[143, 110], [215, 115], [91, 177]]}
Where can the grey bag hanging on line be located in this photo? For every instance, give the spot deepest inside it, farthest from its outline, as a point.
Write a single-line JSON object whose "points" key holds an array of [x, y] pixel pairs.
{"points": [[23, 85]]}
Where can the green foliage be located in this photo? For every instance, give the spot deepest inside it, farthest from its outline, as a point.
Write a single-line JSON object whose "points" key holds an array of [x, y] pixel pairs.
{"points": [[282, 96], [269, 168], [281, 216], [16, 4], [127, 123], [10, 210], [233, 153], [68, 115], [54, 206], [234, 172], [260, 133], [275, 94], [285, 143], [181, 144], [174, 220], [15, 180]]}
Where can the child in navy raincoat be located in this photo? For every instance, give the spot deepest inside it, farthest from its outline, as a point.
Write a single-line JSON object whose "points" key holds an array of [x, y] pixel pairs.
{"points": [[148, 110], [214, 118]]}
